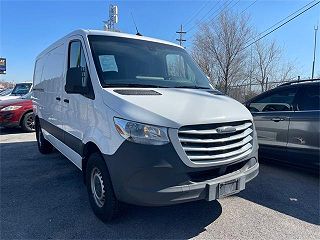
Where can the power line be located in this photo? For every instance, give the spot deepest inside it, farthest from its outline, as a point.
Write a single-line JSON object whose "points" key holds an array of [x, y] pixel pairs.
{"points": [[223, 8], [218, 12], [281, 25], [197, 13], [217, 3], [249, 6], [203, 17], [193, 16], [284, 19], [216, 15]]}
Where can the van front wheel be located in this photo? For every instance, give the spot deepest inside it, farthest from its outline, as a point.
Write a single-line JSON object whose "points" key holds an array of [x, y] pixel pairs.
{"points": [[101, 194], [43, 145]]}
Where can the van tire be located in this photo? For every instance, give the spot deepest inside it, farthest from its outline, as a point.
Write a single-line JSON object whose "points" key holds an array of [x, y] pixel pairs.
{"points": [[100, 190], [27, 123], [44, 146]]}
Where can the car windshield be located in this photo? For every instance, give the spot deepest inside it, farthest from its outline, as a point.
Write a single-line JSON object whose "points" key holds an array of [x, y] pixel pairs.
{"points": [[21, 89], [124, 62]]}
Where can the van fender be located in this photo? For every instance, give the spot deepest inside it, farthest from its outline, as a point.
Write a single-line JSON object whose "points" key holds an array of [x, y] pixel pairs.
{"points": [[107, 143], [97, 140]]}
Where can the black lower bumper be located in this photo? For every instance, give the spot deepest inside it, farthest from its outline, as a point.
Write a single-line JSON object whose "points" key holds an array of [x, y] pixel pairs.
{"points": [[9, 124], [155, 175]]}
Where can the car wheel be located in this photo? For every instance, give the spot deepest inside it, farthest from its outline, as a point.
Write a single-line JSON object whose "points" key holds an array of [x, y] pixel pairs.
{"points": [[100, 190], [44, 146], [27, 123]]}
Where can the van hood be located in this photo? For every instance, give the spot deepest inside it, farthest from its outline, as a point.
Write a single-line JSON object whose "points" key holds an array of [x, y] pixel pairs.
{"points": [[172, 107]]}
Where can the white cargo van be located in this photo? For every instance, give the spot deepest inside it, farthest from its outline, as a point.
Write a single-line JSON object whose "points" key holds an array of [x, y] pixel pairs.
{"points": [[141, 121]]}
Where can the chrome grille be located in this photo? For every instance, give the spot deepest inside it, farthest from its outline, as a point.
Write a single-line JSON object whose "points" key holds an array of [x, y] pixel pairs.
{"points": [[205, 143]]}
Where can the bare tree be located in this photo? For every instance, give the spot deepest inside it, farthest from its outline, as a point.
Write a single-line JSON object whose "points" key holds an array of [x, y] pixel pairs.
{"points": [[265, 58], [203, 57], [218, 48], [268, 65]]}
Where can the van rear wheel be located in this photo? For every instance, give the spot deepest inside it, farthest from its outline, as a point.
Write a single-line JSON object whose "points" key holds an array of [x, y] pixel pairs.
{"points": [[100, 190], [44, 146]]}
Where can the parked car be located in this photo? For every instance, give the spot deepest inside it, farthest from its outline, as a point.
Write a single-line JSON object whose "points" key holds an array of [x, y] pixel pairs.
{"points": [[287, 119], [17, 113], [141, 121], [6, 92], [19, 90]]}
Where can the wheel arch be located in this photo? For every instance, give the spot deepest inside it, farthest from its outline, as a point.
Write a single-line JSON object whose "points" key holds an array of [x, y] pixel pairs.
{"points": [[88, 149]]}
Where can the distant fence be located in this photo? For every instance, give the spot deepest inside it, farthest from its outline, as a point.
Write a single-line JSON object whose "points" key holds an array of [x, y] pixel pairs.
{"points": [[244, 92]]}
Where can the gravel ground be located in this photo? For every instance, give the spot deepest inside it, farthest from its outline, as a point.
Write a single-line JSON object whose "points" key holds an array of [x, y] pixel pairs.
{"points": [[43, 197]]}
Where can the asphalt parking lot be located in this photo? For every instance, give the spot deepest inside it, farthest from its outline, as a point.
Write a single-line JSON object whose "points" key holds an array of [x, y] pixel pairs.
{"points": [[43, 197]]}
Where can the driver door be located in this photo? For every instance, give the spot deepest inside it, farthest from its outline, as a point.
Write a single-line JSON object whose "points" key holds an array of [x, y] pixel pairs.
{"points": [[75, 105]]}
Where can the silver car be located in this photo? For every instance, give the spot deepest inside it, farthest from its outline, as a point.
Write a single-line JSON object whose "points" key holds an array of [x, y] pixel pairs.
{"points": [[287, 123]]}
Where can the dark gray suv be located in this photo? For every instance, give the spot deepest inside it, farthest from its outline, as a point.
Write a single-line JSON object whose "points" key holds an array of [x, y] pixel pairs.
{"points": [[287, 123]]}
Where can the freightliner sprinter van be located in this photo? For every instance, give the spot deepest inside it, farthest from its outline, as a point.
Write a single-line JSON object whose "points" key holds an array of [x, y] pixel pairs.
{"points": [[141, 121]]}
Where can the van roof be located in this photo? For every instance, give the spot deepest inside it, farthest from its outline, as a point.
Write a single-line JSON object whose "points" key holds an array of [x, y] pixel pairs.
{"points": [[85, 33]]}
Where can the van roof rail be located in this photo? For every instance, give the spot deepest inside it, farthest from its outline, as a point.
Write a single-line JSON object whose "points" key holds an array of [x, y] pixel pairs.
{"points": [[299, 81]]}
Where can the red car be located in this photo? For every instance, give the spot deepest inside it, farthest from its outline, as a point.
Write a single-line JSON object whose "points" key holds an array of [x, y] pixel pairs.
{"points": [[17, 113]]}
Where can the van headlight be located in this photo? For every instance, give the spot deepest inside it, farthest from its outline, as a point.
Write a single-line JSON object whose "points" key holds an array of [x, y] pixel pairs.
{"points": [[141, 133]]}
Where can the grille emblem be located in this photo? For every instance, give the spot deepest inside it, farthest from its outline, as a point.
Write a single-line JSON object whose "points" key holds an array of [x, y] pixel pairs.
{"points": [[227, 129]]}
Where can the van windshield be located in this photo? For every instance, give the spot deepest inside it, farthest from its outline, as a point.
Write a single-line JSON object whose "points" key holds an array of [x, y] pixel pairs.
{"points": [[125, 62]]}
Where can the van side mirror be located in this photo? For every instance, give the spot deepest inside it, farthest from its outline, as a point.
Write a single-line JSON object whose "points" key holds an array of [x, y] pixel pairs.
{"points": [[74, 81]]}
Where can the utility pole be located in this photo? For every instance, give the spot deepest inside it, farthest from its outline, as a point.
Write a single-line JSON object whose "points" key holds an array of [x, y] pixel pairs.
{"points": [[314, 50], [181, 32]]}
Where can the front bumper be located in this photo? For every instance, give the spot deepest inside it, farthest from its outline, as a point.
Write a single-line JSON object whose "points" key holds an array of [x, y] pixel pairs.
{"points": [[155, 175], [8, 119]]}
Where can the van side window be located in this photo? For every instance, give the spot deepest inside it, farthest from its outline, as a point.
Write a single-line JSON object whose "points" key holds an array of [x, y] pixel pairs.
{"points": [[38, 72], [77, 60], [178, 69], [175, 66], [80, 81]]}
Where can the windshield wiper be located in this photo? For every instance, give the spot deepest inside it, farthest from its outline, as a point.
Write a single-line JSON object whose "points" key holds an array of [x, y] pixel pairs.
{"points": [[133, 85]]}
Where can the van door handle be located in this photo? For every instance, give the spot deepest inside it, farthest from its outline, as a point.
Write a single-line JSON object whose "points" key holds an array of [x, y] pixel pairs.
{"points": [[277, 119], [58, 98], [66, 100]]}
